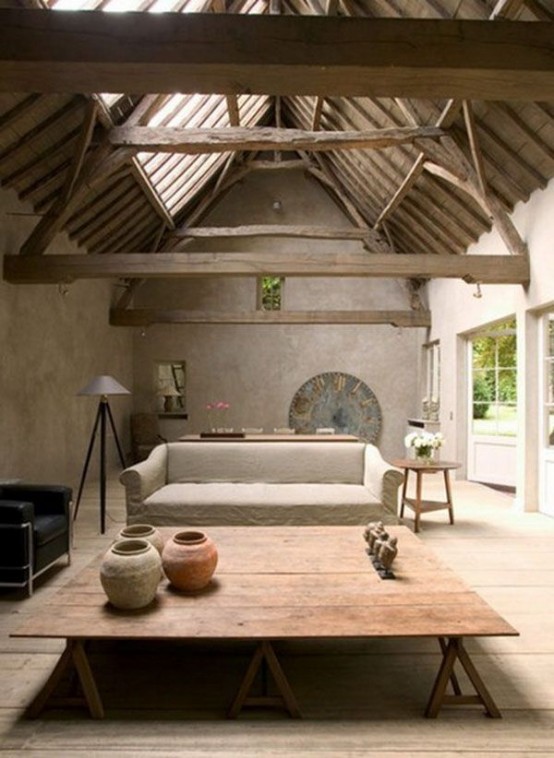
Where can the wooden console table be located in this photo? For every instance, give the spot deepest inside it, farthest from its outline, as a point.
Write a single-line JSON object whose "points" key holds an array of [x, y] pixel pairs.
{"points": [[417, 504], [273, 438]]}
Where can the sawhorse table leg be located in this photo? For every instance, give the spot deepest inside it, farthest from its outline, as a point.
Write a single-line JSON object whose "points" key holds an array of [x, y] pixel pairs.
{"points": [[453, 651], [265, 655], [73, 655]]}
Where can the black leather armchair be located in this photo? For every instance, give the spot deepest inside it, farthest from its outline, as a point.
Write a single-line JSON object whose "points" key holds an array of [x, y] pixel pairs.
{"points": [[35, 531]]}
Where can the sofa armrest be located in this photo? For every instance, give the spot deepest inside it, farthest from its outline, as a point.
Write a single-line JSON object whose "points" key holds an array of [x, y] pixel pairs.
{"points": [[382, 480], [144, 478]]}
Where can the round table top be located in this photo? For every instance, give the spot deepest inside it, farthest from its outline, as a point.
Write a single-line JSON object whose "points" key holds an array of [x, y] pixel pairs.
{"points": [[416, 465]]}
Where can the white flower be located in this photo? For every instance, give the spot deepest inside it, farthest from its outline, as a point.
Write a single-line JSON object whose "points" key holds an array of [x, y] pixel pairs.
{"points": [[423, 439]]}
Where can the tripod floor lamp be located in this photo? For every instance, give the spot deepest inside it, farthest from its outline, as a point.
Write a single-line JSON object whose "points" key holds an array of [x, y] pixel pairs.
{"points": [[103, 386]]}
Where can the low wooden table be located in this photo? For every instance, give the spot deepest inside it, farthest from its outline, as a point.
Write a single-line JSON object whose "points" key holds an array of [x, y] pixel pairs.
{"points": [[418, 504], [282, 583]]}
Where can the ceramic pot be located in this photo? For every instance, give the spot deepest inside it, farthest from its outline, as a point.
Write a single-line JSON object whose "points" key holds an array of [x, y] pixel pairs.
{"points": [[142, 532], [130, 573], [189, 559]]}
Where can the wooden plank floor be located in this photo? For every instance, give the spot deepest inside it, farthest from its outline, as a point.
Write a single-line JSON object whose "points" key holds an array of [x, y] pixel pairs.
{"points": [[358, 698]]}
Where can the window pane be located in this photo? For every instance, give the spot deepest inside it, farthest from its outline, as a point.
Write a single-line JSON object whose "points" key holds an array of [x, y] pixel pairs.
{"points": [[507, 390], [484, 418], [484, 352], [551, 334], [506, 420], [484, 385], [271, 293], [507, 350]]}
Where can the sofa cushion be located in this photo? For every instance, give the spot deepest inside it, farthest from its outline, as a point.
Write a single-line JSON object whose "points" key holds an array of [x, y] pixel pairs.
{"points": [[275, 462], [229, 503]]}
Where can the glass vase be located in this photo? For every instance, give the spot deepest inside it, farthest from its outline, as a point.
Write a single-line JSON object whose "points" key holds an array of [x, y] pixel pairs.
{"points": [[424, 454]]}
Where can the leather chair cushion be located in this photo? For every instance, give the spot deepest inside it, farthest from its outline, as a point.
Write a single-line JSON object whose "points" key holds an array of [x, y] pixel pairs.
{"points": [[47, 528]]}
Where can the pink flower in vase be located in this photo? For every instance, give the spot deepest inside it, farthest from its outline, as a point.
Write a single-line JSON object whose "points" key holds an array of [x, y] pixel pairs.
{"points": [[220, 408]]}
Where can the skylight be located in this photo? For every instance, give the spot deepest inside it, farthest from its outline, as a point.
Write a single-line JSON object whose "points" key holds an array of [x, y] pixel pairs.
{"points": [[177, 178]]}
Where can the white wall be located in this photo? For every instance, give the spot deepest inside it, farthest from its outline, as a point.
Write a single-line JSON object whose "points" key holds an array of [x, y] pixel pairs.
{"points": [[456, 313], [51, 346]]}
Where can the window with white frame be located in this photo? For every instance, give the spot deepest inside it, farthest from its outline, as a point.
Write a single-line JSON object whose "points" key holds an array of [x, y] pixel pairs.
{"points": [[432, 380], [494, 354]]}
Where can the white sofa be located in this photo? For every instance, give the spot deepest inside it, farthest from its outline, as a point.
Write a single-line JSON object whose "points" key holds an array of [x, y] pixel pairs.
{"points": [[263, 483]]}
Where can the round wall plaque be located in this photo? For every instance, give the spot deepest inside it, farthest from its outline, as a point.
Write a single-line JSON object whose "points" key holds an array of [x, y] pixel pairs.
{"points": [[336, 400]]}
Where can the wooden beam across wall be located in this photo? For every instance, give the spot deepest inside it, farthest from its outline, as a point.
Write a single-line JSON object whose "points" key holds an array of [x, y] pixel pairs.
{"points": [[91, 51], [166, 139], [487, 269], [149, 316], [276, 230]]}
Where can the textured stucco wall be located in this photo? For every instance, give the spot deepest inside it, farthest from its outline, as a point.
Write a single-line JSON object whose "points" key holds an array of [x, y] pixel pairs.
{"points": [[258, 368], [51, 346]]}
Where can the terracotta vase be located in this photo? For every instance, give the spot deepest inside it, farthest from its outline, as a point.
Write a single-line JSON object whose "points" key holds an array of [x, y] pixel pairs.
{"points": [[130, 573], [189, 559], [142, 532]]}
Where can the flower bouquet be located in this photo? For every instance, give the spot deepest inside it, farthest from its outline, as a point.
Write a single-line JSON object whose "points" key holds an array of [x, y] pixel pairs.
{"points": [[217, 413], [424, 444]]}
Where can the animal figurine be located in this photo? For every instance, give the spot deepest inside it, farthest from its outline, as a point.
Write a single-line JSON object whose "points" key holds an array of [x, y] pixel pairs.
{"points": [[388, 552], [375, 530]]}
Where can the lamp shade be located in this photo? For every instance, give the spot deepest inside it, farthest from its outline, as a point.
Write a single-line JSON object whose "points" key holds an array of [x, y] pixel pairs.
{"points": [[169, 391], [103, 385]]}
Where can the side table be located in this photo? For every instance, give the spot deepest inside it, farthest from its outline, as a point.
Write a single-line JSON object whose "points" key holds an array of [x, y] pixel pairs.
{"points": [[417, 504]]}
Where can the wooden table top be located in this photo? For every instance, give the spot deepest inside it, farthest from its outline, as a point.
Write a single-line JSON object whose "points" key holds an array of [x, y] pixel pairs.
{"points": [[284, 583], [414, 465]]}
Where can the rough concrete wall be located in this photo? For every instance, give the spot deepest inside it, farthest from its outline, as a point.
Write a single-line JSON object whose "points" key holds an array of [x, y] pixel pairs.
{"points": [[259, 368], [52, 345]]}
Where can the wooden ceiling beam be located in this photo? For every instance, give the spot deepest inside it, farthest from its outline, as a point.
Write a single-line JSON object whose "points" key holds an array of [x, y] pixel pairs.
{"points": [[489, 202], [219, 6], [79, 153], [91, 51], [276, 230], [60, 146], [148, 316], [287, 165], [103, 162], [19, 110], [446, 118], [494, 269], [331, 9], [221, 140], [475, 147], [8, 153]]}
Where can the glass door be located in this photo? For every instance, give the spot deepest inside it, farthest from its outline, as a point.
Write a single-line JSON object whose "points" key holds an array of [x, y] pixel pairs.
{"points": [[493, 406]]}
